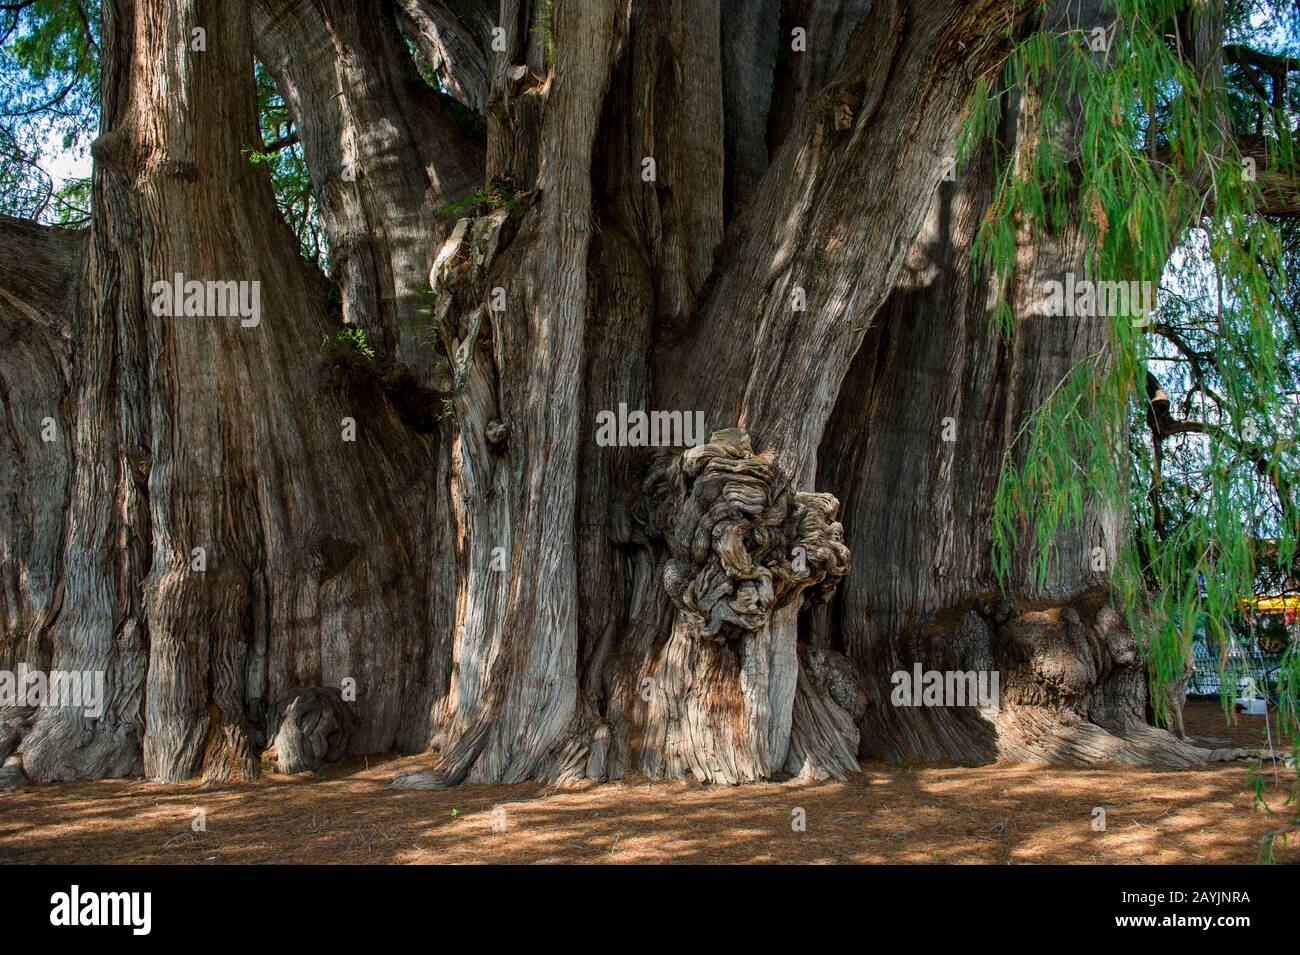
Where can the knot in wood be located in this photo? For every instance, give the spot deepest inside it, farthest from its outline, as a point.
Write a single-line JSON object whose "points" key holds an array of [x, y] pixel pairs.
{"points": [[742, 543]]}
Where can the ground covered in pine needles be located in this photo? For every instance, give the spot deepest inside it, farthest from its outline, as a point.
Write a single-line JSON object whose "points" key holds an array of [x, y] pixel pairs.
{"points": [[987, 814]]}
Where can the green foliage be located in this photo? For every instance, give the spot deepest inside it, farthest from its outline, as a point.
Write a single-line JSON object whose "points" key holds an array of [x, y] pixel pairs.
{"points": [[71, 203], [347, 346], [286, 164], [49, 81], [49, 85], [498, 194], [1161, 188]]}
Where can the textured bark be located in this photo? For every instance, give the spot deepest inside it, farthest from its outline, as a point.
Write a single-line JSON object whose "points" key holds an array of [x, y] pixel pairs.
{"points": [[41, 276], [751, 49], [817, 228], [454, 36], [505, 590], [385, 154], [41, 271], [513, 705], [925, 418], [314, 728], [197, 432], [741, 547]]}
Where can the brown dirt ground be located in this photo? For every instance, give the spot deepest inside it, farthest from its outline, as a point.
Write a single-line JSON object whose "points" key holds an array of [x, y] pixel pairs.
{"points": [[989, 814]]}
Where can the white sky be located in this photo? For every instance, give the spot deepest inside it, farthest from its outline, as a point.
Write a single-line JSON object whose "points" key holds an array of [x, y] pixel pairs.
{"points": [[64, 164]]}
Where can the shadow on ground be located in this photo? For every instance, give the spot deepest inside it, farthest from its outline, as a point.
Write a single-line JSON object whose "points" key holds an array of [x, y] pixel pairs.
{"points": [[988, 814]]}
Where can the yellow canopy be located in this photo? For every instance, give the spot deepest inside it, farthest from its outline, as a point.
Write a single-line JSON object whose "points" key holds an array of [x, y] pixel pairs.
{"points": [[1270, 604]]}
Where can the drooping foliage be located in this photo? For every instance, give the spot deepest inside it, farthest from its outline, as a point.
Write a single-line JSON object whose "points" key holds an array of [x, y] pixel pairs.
{"points": [[1169, 140]]}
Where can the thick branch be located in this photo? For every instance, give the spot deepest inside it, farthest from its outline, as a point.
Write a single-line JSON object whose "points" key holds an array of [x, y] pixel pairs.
{"points": [[802, 272], [383, 151], [455, 37], [1279, 186], [38, 266], [284, 142], [1275, 67]]}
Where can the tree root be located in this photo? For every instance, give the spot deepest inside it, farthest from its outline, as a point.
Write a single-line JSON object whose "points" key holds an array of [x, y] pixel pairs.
{"points": [[1072, 690]]}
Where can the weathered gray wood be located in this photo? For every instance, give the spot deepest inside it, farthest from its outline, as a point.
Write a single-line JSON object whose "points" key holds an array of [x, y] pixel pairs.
{"points": [[197, 432], [315, 727], [499, 588]]}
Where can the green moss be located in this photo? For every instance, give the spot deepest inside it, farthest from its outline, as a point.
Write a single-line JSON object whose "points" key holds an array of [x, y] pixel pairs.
{"points": [[498, 194]]}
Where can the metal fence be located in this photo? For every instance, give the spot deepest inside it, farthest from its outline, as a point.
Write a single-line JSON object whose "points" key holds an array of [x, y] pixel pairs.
{"points": [[1242, 661]]}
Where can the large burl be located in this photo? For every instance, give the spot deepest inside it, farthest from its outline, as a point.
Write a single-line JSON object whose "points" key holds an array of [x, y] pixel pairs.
{"points": [[314, 727], [724, 696], [742, 542]]}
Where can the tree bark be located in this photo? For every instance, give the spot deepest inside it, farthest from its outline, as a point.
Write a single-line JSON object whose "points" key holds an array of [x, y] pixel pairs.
{"points": [[685, 211], [927, 416], [198, 432], [42, 271]]}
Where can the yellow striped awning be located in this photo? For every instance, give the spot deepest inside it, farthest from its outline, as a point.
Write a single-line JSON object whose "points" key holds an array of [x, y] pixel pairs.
{"points": [[1270, 604]]}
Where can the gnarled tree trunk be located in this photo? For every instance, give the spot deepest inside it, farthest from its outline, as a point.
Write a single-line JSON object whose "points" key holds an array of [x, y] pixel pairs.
{"points": [[726, 209]]}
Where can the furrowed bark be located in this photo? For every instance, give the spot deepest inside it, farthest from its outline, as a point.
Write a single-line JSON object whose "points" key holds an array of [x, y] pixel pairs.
{"points": [[513, 706], [41, 275], [750, 695], [817, 229], [752, 44], [653, 252], [504, 588], [926, 416], [454, 36], [385, 155], [199, 432]]}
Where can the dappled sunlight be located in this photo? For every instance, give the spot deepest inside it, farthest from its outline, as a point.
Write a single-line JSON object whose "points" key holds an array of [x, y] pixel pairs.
{"points": [[999, 813]]}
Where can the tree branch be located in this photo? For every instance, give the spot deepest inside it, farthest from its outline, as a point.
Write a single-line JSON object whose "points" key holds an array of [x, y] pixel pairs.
{"points": [[39, 266], [1279, 187], [284, 142], [1275, 67], [455, 37]]}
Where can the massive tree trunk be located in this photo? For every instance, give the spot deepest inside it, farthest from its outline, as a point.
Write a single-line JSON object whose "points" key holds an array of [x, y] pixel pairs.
{"points": [[225, 540], [730, 209], [915, 448]]}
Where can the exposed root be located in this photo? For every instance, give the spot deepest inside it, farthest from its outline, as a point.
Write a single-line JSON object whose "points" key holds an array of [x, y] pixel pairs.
{"points": [[1072, 690], [11, 774], [830, 701]]}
